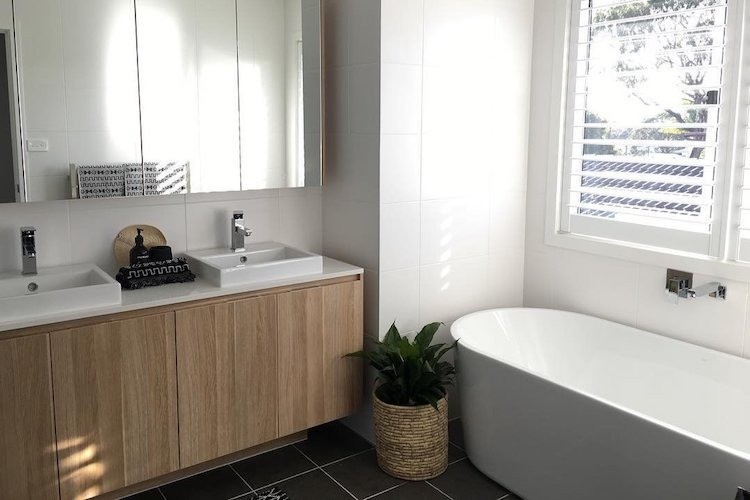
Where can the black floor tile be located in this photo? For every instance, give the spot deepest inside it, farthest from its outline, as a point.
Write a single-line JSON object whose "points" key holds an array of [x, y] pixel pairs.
{"points": [[412, 491], [312, 486], [273, 466], [361, 475], [217, 484], [462, 481], [456, 433], [331, 442], [146, 495], [455, 453]]}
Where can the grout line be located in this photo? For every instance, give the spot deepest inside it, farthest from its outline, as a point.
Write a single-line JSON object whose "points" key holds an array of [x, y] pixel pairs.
{"points": [[236, 497], [261, 488], [340, 485], [385, 491], [346, 458], [327, 474], [504, 496], [252, 490], [228, 464], [459, 460], [421, 164], [161, 493], [459, 447], [439, 490]]}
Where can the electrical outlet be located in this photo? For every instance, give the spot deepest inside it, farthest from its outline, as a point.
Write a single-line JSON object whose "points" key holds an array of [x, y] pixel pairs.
{"points": [[37, 145]]}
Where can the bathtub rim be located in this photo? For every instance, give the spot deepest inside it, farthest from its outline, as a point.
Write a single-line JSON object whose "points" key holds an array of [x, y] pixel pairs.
{"points": [[745, 455]]}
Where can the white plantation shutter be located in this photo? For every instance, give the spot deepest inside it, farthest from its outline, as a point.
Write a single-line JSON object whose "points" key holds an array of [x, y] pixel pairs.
{"points": [[643, 121], [743, 203]]}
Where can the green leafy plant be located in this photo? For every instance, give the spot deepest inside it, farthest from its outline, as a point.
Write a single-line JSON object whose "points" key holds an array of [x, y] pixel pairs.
{"points": [[410, 373]]}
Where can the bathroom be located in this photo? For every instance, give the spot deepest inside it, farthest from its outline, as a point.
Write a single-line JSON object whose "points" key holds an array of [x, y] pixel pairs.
{"points": [[533, 180]]}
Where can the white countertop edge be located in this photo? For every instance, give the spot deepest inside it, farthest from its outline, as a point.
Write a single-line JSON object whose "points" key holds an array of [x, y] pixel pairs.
{"points": [[166, 295]]}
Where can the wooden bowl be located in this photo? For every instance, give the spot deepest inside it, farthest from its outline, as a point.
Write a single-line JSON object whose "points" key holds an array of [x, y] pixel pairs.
{"points": [[125, 241]]}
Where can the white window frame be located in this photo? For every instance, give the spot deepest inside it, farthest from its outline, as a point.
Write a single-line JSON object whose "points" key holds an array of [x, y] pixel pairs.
{"points": [[720, 259]]}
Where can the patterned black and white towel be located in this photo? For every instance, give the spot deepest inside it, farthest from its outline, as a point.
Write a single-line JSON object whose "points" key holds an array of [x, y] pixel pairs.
{"points": [[272, 494], [155, 274]]}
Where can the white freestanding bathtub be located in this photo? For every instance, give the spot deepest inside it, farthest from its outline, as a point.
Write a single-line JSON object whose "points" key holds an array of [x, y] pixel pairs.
{"points": [[566, 406]]}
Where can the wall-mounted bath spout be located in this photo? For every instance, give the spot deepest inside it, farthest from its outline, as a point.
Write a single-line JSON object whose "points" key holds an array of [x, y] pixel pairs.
{"points": [[680, 285]]}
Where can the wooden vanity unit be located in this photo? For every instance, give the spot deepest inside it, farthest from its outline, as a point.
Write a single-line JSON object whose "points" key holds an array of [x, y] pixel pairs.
{"points": [[93, 405]]}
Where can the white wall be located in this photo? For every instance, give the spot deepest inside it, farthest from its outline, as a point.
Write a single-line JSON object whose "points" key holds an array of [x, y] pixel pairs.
{"points": [[79, 231], [454, 120], [351, 192], [427, 113], [623, 291]]}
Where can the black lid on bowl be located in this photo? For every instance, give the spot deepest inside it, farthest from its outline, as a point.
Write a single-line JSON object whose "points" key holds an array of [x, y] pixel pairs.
{"points": [[160, 253]]}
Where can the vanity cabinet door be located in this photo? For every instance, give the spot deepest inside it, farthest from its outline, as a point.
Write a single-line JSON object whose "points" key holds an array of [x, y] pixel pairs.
{"points": [[28, 466], [317, 327], [115, 404], [226, 371]]}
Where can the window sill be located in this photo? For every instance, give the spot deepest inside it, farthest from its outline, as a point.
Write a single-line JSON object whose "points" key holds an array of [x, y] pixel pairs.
{"points": [[639, 254]]}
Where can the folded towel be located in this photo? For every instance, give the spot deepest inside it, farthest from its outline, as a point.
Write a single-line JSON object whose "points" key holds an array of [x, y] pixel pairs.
{"points": [[155, 274]]}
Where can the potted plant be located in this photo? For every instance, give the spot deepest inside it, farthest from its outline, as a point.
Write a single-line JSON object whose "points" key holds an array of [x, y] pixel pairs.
{"points": [[411, 409]]}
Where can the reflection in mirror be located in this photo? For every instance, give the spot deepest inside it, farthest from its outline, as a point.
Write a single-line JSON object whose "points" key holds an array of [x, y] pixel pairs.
{"points": [[144, 97], [9, 182]]}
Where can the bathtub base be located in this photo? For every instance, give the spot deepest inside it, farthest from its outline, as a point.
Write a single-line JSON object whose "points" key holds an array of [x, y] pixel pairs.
{"points": [[543, 441]]}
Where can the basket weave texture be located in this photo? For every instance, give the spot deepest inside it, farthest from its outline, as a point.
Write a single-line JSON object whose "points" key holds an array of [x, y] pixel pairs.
{"points": [[411, 441]]}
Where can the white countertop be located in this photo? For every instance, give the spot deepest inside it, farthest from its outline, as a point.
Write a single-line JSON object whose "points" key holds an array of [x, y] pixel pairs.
{"points": [[146, 298]]}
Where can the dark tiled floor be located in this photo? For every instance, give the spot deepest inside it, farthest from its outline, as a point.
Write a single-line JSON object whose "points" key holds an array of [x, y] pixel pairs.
{"points": [[333, 463]]}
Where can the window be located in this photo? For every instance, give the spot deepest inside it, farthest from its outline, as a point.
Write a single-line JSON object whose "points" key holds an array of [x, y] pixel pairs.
{"points": [[649, 125]]}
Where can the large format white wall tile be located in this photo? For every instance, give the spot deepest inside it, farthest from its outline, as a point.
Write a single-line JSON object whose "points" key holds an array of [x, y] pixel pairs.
{"points": [[540, 274], [337, 101], [461, 31], [507, 220], [402, 26], [47, 187], [352, 171], [399, 236], [350, 231], [94, 224], [399, 300], [505, 284], [718, 324], [455, 165], [52, 237], [400, 167], [83, 231], [44, 106], [364, 99], [300, 223], [210, 221], [452, 289], [599, 286], [51, 162], [454, 229], [364, 32], [401, 98]]}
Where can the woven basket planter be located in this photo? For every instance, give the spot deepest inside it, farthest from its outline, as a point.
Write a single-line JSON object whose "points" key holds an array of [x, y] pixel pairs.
{"points": [[411, 441]]}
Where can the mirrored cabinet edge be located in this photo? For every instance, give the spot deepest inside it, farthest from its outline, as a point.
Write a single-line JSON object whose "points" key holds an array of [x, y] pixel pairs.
{"points": [[132, 98]]}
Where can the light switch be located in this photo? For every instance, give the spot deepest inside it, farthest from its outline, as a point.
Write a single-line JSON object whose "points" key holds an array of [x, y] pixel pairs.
{"points": [[37, 145]]}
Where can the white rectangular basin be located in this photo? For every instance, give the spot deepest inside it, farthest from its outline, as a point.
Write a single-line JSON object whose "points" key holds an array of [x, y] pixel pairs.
{"points": [[260, 262], [56, 290]]}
